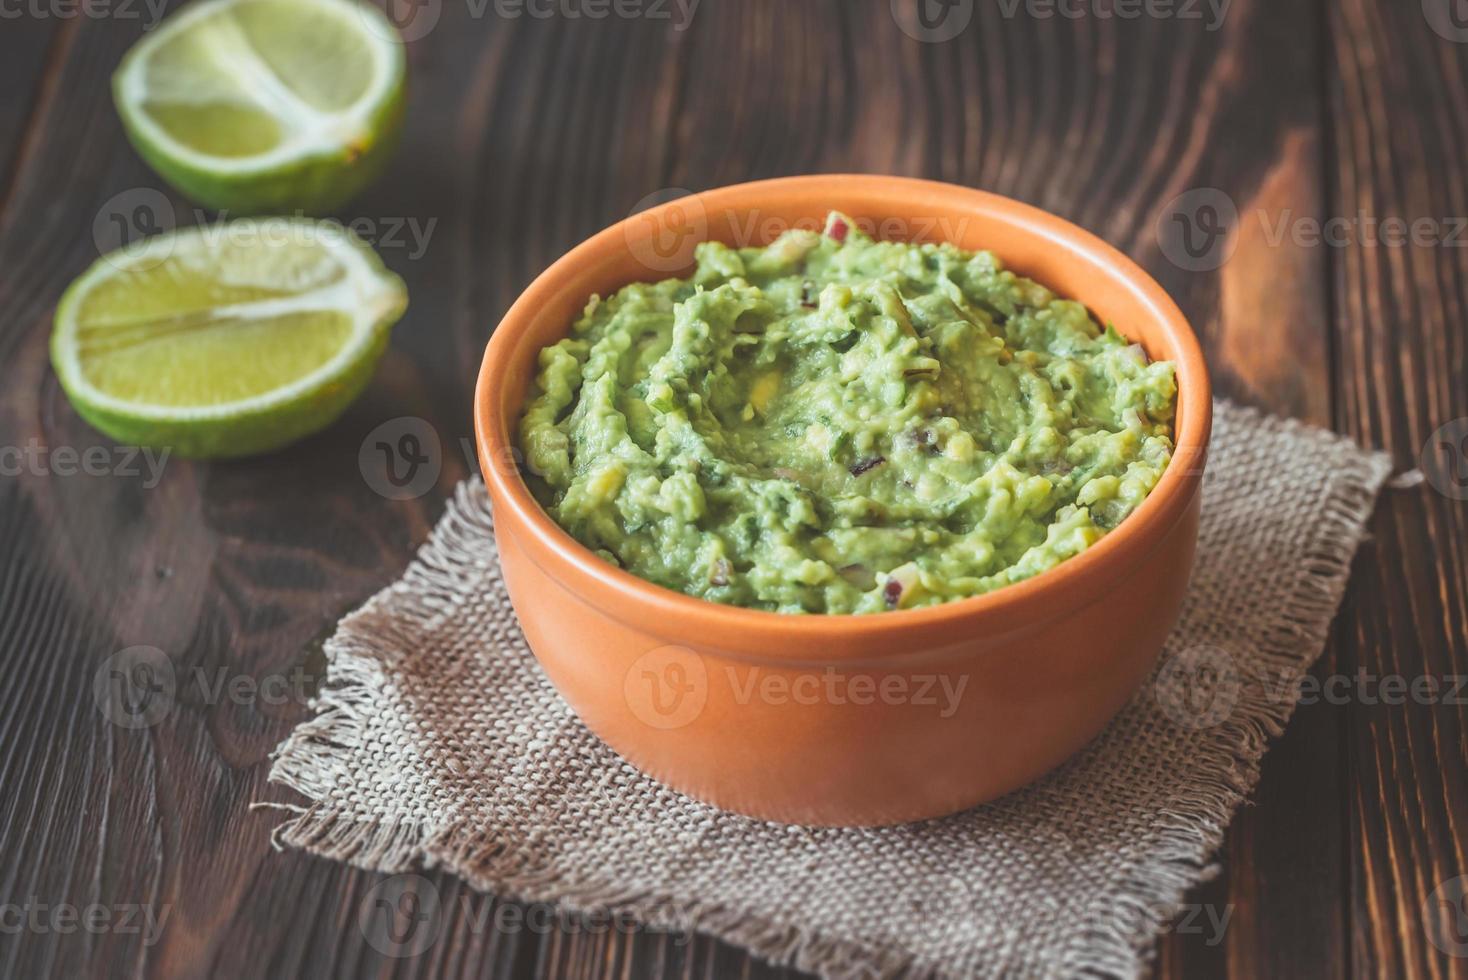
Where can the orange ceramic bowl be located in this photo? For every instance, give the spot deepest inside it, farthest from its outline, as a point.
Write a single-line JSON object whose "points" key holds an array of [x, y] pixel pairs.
{"points": [[837, 719]]}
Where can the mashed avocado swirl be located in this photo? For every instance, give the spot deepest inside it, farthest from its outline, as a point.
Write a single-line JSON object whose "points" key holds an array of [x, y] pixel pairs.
{"points": [[833, 424]]}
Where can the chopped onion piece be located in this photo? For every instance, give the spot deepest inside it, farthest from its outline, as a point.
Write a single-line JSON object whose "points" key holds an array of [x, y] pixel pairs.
{"points": [[858, 575]]}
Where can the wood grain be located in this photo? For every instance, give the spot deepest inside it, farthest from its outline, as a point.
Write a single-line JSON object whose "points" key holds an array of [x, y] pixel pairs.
{"points": [[1401, 371], [527, 134], [36, 48]]}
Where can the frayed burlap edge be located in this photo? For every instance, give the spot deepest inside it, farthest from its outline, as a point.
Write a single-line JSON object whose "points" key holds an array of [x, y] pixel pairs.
{"points": [[316, 756]]}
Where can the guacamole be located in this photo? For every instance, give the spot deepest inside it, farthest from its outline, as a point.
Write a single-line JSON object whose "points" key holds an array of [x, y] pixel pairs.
{"points": [[833, 424]]}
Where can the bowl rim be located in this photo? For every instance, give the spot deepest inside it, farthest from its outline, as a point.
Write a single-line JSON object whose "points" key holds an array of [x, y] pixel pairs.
{"points": [[1080, 579]]}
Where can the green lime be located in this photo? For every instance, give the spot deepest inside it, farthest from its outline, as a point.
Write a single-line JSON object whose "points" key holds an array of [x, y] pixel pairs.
{"points": [[252, 106], [227, 339]]}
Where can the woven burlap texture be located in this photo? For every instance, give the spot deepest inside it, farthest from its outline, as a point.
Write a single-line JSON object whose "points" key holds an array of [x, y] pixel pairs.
{"points": [[438, 743]]}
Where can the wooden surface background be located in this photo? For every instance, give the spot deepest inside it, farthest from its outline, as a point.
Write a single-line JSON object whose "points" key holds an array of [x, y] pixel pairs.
{"points": [[527, 134]]}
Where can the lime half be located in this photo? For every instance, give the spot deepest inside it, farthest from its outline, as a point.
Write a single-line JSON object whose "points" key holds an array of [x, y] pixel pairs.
{"points": [[228, 339], [253, 106]]}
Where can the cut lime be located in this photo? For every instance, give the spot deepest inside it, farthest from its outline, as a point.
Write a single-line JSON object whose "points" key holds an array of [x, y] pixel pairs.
{"points": [[228, 339], [253, 106]]}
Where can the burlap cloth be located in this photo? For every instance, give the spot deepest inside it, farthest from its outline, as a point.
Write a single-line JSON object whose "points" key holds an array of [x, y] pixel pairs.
{"points": [[438, 742]]}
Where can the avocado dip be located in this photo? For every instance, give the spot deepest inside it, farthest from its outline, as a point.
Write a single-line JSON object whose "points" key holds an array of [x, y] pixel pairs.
{"points": [[833, 424]]}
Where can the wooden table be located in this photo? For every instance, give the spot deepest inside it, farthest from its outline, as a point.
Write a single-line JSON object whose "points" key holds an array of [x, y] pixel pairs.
{"points": [[526, 134]]}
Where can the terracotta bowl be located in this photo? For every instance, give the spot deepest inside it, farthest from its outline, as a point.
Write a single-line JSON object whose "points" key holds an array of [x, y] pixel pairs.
{"points": [[846, 720]]}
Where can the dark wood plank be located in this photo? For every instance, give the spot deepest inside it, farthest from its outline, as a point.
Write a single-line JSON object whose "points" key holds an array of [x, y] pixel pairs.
{"points": [[35, 50], [1399, 111]]}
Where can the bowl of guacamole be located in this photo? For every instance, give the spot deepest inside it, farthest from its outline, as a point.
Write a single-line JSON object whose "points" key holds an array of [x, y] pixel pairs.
{"points": [[831, 423], [844, 499]]}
